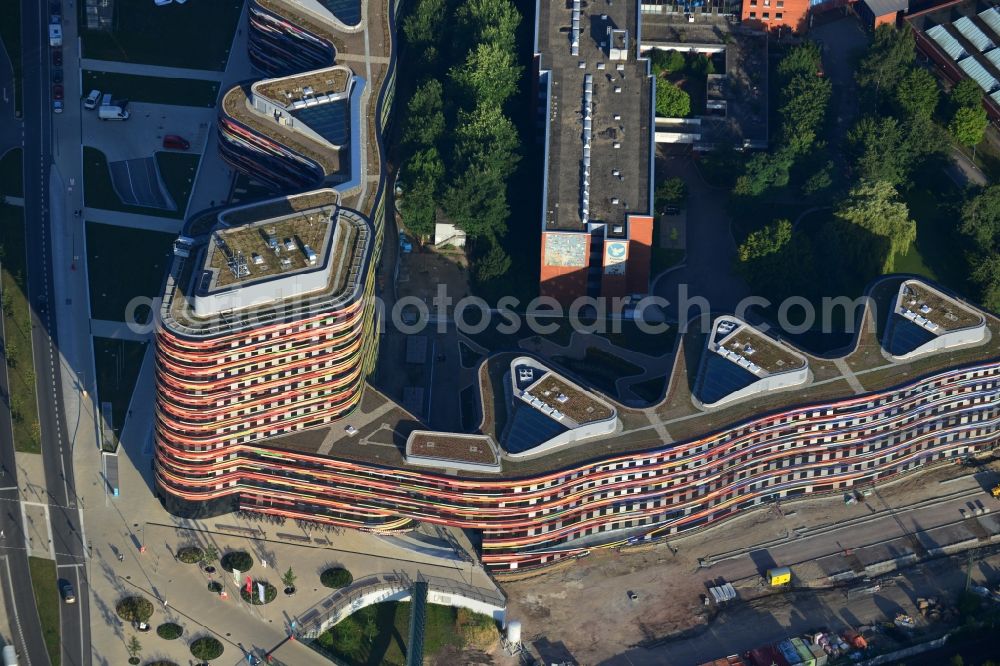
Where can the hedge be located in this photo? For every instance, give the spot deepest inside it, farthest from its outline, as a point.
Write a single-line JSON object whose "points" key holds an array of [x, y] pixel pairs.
{"points": [[134, 609], [206, 648], [336, 577], [237, 559], [169, 631]]}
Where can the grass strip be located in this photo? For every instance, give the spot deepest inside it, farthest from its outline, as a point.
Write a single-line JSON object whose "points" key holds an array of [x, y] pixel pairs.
{"points": [[43, 582]]}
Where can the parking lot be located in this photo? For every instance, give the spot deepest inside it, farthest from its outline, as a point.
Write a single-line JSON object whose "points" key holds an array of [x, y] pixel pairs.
{"points": [[142, 134]]}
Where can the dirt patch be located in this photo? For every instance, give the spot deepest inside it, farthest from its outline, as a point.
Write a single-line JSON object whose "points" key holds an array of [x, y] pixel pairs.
{"points": [[422, 271]]}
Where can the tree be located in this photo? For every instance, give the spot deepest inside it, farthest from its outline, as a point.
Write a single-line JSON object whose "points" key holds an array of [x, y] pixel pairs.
{"points": [[487, 21], [968, 125], [966, 93], [917, 93], [487, 137], [774, 260], [425, 116], [889, 57], [288, 578], [820, 180], [666, 61], [981, 218], [423, 26], [211, 555], [767, 241], [878, 150], [489, 75], [874, 207], [803, 59], [672, 191], [133, 647], [671, 101], [421, 177], [493, 264], [805, 100], [763, 171], [986, 273], [477, 202]]}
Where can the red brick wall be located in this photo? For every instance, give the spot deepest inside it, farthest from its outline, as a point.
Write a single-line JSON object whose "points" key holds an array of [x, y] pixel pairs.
{"points": [[794, 13], [640, 231]]}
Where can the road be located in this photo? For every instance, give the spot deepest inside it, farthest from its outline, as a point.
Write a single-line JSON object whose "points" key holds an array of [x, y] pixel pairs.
{"points": [[66, 518]]}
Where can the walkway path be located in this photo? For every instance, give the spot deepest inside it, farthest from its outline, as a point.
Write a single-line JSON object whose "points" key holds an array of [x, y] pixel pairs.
{"points": [[117, 330], [139, 69], [848, 374], [135, 221]]}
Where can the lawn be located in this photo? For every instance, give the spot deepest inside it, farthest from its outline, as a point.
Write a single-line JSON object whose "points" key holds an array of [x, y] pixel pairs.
{"points": [[43, 582], [17, 328], [196, 35], [11, 174], [113, 251], [176, 169], [117, 363], [377, 634], [153, 89], [10, 35]]}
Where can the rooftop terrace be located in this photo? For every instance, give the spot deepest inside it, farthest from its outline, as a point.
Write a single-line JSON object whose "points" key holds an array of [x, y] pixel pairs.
{"points": [[476, 449], [761, 351], [577, 404], [301, 88], [933, 310]]}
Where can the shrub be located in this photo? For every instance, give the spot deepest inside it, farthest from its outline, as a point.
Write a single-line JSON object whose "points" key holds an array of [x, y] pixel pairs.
{"points": [[160, 662], [169, 631], [237, 559], [206, 648], [190, 554], [336, 577], [215, 586], [134, 609], [252, 597]]}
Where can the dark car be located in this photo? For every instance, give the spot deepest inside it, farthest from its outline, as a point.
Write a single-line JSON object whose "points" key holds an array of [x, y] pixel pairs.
{"points": [[68, 593], [176, 142], [57, 56], [57, 91], [57, 75]]}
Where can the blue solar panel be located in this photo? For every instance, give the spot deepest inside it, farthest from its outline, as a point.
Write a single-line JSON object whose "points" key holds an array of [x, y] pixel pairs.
{"points": [[720, 377], [330, 120], [348, 11], [529, 429], [904, 336]]}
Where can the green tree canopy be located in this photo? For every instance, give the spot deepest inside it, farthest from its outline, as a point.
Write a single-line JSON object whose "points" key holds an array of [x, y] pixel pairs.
{"points": [[426, 113], [421, 177], [804, 102], [875, 208], [802, 60], [666, 61], [968, 125], [775, 261], [763, 171], [489, 75], [986, 274], [485, 135], [878, 149], [495, 263], [917, 93], [671, 101], [477, 202], [966, 93], [487, 21], [424, 25], [889, 57], [981, 218], [770, 240], [672, 191]]}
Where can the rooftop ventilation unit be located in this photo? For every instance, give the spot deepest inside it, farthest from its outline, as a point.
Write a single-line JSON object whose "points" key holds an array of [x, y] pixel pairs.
{"points": [[588, 102], [575, 44]]}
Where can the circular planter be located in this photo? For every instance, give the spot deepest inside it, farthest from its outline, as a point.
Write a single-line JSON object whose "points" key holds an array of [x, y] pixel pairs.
{"points": [[270, 592], [336, 578], [215, 586], [209, 569], [206, 648], [134, 609], [190, 555], [134, 661], [169, 631], [237, 559], [289, 591]]}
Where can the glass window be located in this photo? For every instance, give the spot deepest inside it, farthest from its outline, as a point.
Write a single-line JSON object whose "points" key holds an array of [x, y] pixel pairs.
{"points": [[767, 15]]}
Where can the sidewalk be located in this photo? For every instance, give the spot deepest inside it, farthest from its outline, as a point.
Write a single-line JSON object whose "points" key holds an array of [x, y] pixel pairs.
{"points": [[147, 222]]}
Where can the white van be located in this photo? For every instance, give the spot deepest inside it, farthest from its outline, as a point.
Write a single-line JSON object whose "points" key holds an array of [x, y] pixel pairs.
{"points": [[90, 101]]}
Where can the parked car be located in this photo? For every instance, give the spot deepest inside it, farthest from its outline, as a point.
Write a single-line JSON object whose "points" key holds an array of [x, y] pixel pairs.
{"points": [[57, 56], [57, 91], [176, 142], [404, 243], [91, 100], [57, 75], [57, 106], [68, 593]]}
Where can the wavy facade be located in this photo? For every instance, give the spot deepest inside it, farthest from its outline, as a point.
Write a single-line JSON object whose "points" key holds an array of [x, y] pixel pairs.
{"points": [[534, 521]]}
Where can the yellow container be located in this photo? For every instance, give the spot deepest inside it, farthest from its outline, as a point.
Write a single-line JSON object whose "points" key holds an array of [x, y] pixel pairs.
{"points": [[779, 576]]}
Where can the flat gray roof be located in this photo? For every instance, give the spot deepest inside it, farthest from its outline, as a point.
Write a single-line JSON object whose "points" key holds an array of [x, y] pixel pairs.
{"points": [[623, 173]]}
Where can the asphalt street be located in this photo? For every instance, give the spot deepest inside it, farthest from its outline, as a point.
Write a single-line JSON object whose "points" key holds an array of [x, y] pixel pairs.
{"points": [[66, 517]]}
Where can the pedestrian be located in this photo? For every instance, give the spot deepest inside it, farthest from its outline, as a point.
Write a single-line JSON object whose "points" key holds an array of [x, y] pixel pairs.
{"points": [[121, 557]]}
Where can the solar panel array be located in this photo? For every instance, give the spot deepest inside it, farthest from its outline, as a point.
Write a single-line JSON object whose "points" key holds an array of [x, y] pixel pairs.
{"points": [[971, 32]]}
